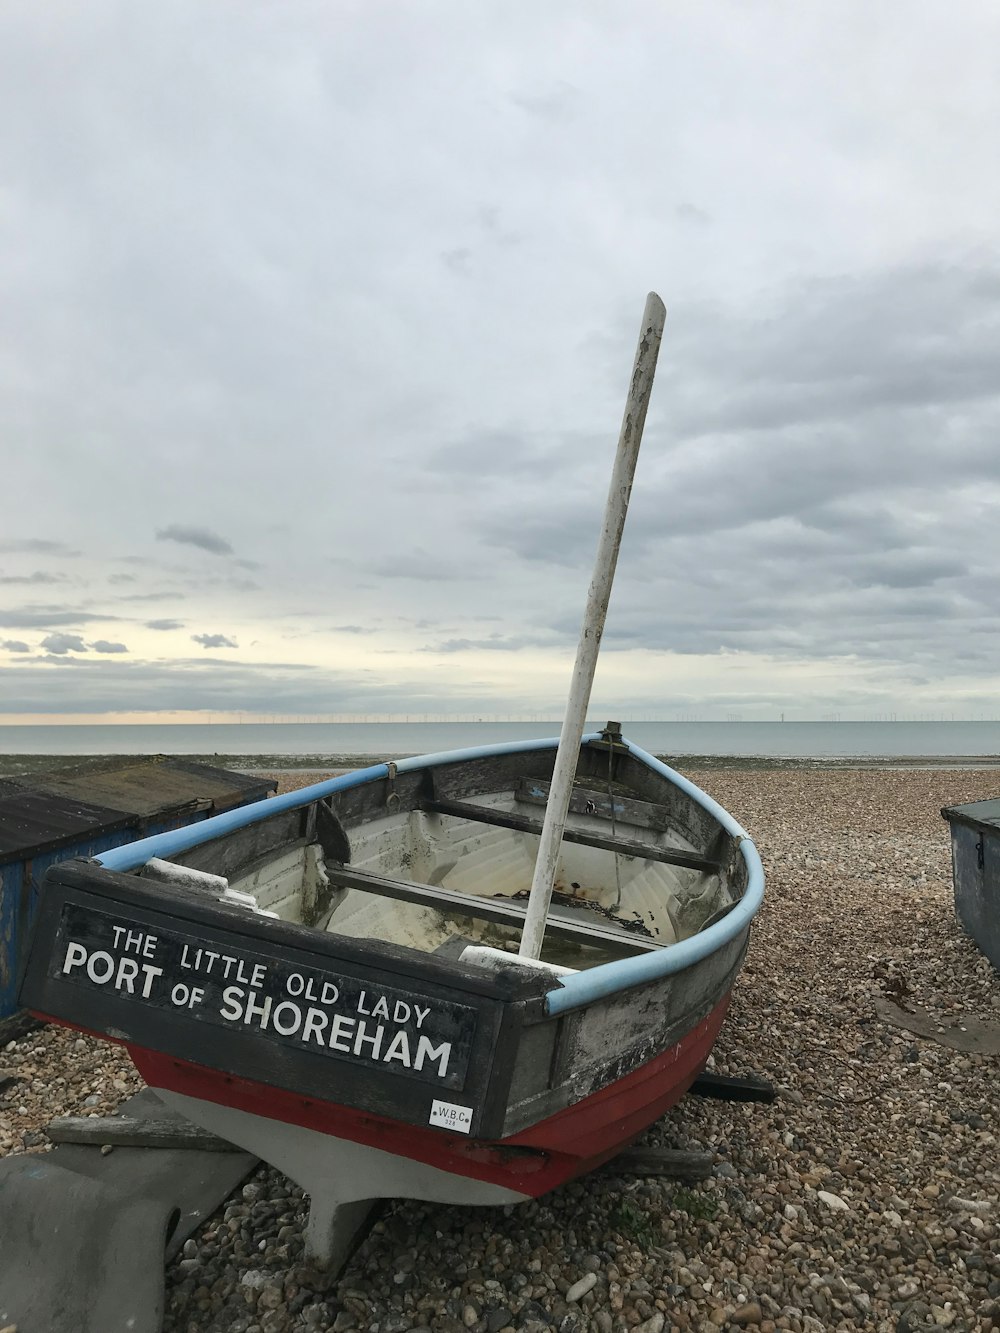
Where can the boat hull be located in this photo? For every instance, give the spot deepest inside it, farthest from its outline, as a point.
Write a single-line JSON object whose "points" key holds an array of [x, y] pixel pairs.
{"points": [[328, 1014], [530, 1163], [483, 1048]]}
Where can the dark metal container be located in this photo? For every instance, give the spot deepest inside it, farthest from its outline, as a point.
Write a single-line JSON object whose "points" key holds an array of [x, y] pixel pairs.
{"points": [[85, 810], [975, 857]]}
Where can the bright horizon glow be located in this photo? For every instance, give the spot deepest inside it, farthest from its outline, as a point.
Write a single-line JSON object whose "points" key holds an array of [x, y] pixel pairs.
{"points": [[440, 719]]}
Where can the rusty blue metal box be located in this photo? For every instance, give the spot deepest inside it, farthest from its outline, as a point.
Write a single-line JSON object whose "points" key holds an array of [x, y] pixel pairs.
{"points": [[89, 809], [975, 858]]}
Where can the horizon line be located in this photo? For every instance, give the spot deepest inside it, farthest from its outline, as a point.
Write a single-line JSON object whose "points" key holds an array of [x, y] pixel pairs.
{"points": [[14, 720]]}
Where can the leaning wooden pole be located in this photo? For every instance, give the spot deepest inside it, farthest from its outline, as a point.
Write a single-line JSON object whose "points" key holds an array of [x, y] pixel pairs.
{"points": [[596, 611]]}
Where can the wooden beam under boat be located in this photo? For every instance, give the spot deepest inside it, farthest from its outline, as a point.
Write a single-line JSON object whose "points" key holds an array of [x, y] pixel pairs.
{"points": [[485, 814], [503, 911]]}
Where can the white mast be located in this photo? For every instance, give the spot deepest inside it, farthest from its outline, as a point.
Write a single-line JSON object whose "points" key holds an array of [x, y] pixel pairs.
{"points": [[596, 611]]}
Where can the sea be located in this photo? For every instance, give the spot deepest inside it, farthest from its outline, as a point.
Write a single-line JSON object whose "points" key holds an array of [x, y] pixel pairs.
{"points": [[323, 745]]}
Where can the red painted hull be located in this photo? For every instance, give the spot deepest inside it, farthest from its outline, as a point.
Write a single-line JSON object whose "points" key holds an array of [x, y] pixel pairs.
{"points": [[554, 1150]]}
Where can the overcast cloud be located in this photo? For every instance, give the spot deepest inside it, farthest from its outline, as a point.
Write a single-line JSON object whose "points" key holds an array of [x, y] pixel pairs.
{"points": [[199, 537], [318, 320]]}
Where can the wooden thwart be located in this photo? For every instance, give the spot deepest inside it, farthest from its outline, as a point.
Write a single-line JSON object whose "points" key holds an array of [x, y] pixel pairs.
{"points": [[503, 911], [601, 804], [485, 814]]}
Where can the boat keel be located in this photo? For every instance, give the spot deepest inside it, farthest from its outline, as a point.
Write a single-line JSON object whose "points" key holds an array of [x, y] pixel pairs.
{"points": [[335, 1229], [345, 1181]]}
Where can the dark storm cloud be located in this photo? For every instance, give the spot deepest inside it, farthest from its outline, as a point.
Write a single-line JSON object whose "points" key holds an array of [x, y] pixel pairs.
{"points": [[510, 456], [103, 646], [882, 584], [151, 597], [37, 546], [917, 337], [692, 214], [97, 685], [164, 624], [214, 641], [554, 103], [45, 617], [457, 260], [880, 398], [493, 643], [202, 538], [421, 565], [39, 576], [909, 569], [814, 615], [64, 643]]}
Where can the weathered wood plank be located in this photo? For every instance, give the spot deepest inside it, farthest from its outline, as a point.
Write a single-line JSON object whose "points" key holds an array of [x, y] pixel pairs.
{"points": [[235, 854], [726, 1089], [128, 1132], [661, 1162], [485, 814], [591, 801], [964, 1033], [504, 911]]}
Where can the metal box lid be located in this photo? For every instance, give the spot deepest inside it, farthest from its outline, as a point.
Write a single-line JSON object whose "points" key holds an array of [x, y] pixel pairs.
{"points": [[53, 809], [983, 815], [36, 821]]}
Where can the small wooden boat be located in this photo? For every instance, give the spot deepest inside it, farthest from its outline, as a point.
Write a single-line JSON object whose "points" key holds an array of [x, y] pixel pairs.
{"points": [[403, 982], [330, 978]]}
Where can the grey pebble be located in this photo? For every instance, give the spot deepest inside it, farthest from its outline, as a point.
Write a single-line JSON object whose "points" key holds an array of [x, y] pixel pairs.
{"points": [[651, 1325], [578, 1289]]}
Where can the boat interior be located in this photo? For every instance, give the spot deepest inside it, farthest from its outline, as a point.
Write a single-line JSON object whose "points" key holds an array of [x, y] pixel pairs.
{"points": [[450, 876]]}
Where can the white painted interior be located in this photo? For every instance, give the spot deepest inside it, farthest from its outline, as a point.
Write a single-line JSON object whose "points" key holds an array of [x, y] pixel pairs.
{"points": [[466, 856]]}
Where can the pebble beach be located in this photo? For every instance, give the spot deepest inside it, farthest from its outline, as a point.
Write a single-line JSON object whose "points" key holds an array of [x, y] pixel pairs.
{"points": [[866, 1196]]}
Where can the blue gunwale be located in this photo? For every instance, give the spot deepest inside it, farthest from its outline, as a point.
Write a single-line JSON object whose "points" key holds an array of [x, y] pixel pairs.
{"points": [[575, 990]]}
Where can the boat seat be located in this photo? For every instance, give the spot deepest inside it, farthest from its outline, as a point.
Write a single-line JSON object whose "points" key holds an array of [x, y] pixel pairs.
{"points": [[486, 814], [453, 947], [503, 911]]}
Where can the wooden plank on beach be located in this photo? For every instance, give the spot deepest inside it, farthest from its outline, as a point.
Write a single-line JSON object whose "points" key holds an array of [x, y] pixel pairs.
{"points": [[726, 1089], [121, 1131], [673, 1162], [966, 1032]]}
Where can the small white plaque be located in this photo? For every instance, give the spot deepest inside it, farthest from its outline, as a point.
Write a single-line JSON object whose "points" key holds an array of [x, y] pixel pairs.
{"points": [[446, 1115]]}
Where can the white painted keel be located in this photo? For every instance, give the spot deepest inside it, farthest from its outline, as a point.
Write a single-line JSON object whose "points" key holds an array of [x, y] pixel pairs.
{"points": [[344, 1180]]}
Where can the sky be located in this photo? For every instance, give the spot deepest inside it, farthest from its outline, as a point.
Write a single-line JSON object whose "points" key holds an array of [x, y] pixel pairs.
{"points": [[318, 319]]}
